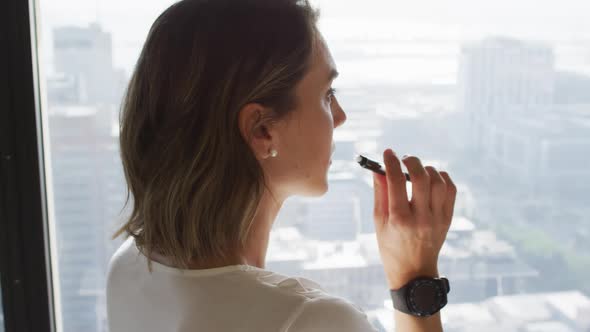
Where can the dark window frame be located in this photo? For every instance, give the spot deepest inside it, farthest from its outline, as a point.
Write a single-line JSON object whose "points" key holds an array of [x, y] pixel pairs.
{"points": [[27, 295]]}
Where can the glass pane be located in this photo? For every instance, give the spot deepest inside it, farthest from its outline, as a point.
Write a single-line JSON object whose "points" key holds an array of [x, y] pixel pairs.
{"points": [[87, 50], [496, 93]]}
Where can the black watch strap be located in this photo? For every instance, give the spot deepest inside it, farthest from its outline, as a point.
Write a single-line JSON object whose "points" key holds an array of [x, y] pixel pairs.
{"points": [[399, 297]]}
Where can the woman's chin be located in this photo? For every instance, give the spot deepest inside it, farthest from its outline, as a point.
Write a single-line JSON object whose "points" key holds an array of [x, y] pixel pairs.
{"points": [[322, 187], [318, 188]]}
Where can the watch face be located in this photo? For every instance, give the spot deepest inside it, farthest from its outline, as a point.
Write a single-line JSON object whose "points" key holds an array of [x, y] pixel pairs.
{"points": [[426, 297]]}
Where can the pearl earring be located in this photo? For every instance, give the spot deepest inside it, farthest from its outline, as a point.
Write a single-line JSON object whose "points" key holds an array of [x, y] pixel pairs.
{"points": [[273, 153]]}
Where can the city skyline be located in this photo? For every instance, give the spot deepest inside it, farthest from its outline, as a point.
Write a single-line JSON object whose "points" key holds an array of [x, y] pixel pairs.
{"points": [[383, 111]]}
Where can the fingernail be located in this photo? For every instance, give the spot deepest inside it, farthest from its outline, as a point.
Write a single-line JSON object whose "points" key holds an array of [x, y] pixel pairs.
{"points": [[393, 152]]}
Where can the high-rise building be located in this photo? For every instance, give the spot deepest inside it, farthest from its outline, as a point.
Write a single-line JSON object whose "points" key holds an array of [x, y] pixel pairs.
{"points": [[83, 63], [88, 193], [522, 117], [571, 88], [498, 72], [542, 157]]}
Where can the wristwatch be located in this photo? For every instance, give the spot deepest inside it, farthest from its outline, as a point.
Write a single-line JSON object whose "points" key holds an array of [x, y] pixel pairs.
{"points": [[422, 297]]}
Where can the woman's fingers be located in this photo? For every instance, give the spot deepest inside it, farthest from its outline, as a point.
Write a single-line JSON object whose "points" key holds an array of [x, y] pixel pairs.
{"points": [[381, 208], [420, 183], [396, 185], [438, 190], [449, 204]]}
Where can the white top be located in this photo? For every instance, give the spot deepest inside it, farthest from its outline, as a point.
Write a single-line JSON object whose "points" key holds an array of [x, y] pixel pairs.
{"points": [[228, 298]]}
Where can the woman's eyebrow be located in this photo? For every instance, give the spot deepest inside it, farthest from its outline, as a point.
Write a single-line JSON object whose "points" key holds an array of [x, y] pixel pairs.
{"points": [[333, 74]]}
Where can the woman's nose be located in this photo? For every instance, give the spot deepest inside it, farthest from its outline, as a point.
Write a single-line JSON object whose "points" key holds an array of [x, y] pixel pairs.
{"points": [[339, 116]]}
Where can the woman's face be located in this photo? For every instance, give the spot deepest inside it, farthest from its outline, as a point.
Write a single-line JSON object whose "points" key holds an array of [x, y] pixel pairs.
{"points": [[304, 141]]}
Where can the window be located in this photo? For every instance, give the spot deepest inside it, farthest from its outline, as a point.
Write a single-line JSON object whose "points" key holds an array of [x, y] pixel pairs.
{"points": [[494, 92]]}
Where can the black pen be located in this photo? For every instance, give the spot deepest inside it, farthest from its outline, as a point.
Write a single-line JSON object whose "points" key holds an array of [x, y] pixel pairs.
{"points": [[374, 166]]}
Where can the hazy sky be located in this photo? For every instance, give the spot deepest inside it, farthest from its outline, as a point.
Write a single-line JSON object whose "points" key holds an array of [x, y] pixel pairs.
{"points": [[569, 16], [129, 20]]}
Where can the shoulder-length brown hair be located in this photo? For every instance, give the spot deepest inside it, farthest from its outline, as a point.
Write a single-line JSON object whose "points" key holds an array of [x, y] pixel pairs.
{"points": [[195, 181]]}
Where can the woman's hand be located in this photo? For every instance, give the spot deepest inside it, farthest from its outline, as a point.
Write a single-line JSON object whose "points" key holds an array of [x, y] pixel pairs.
{"points": [[411, 233]]}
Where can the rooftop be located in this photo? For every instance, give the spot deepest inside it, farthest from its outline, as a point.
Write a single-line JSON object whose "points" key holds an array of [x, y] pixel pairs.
{"points": [[538, 312]]}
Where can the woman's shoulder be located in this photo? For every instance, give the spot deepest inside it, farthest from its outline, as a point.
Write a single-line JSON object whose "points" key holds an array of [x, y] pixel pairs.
{"points": [[317, 310], [122, 252], [293, 284], [329, 313]]}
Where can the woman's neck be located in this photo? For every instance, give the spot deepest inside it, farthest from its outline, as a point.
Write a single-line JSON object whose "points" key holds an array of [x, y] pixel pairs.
{"points": [[254, 253]]}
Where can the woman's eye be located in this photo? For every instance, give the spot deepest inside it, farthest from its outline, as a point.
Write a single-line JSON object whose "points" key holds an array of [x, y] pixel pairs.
{"points": [[331, 93]]}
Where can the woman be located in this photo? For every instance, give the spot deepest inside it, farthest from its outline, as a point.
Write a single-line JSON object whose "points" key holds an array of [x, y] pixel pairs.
{"points": [[229, 112]]}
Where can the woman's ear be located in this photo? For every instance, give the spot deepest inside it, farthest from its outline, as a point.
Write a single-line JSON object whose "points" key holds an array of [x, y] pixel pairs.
{"points": [[256, 130]]}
